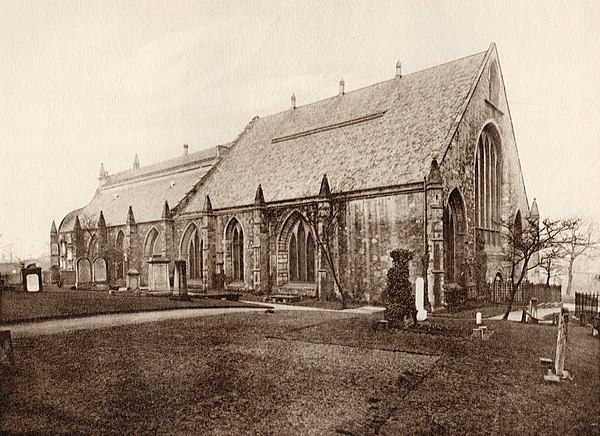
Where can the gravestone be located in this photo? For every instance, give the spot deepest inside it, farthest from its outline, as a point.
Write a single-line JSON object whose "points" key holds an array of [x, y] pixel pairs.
{"points": [[84, 271], [32, 278], [133, 279], [478, 319], [420, 299], [533, 309], [158, 274], [99, 270], [561, 340], [180, 289]]}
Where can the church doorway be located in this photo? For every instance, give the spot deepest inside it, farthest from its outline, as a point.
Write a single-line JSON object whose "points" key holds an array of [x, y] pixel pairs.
{"points": [[454, 239]]}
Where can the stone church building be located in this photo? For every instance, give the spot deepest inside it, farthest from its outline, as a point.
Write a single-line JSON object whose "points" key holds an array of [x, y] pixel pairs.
{"points": [[425, 161]]}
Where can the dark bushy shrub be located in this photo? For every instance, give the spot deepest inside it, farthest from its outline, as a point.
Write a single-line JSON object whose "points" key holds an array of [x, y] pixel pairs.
{"points": [[400, 301], [456, 297]]}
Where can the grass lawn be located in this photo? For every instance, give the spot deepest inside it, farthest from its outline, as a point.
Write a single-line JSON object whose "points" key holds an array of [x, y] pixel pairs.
{"points": [[16, 306], [300, 373], [486, 312]]}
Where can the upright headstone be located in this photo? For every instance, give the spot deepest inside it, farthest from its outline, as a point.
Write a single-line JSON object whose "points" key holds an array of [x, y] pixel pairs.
{"points": [[420, 299], [180, 289], [99, 270], [533, 308], [559, 361], [158, 274], [84, 271], [478, 319], [133, 279], [32, 278]]}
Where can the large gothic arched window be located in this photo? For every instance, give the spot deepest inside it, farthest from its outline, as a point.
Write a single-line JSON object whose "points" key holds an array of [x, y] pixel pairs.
{"points": [[195, 256], [301, 254], [488, 184]]}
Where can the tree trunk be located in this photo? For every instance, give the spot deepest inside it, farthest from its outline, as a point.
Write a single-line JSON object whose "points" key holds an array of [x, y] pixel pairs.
{"points": [[328, 256], [335, 278], [513, 292], [570, 277]]}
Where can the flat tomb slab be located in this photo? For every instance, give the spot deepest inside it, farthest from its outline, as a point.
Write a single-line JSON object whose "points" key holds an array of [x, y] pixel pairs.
{"points": [[280, 298]]}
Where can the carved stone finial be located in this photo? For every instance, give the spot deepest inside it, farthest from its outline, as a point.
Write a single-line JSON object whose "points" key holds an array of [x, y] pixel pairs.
{"points": [[101, 221], [130, 217], [207, 204], [434, 177], [166, 214], [324, 191]]}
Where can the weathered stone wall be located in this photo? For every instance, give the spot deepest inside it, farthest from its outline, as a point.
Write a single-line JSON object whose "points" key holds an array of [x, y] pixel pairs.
{"points": [[375, 227], [458, 165]]}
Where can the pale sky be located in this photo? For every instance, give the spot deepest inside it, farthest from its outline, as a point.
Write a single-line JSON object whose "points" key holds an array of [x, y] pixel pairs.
{"points": [[90, 82]]}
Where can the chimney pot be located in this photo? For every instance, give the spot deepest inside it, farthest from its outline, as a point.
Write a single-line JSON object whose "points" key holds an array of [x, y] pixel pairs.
{"points": [[342, 87], [398, 69], [185, 149], [293, 101]]}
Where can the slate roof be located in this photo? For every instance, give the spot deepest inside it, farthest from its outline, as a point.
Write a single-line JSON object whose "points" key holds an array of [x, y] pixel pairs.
{"points": [[380, 136], [146, 189]]}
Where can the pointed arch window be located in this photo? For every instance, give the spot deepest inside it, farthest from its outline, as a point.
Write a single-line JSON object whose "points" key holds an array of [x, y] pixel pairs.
{"points": [[301, 254], [488, 185], [120, 255], [151, 247], [195, 256], [237, 252]]}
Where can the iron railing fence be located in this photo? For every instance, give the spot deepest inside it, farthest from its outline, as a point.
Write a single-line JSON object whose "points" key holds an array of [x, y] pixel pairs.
{"points": [[586, 306]]}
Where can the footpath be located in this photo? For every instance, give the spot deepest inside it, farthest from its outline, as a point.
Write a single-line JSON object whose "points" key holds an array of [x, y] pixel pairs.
{"points": [[542, 312], [58, 326]]}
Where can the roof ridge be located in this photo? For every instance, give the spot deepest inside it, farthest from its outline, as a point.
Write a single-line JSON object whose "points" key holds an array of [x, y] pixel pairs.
{"points": [[186, 198], [375, 84], [176, 162]]}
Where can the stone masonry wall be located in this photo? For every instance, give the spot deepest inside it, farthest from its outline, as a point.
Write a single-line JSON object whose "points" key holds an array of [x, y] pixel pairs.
{"points": [[458, 166], [375, 227]]}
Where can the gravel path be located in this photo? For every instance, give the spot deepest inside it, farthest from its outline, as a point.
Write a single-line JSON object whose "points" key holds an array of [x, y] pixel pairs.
{"points": [[542, 312], [58, 326]]}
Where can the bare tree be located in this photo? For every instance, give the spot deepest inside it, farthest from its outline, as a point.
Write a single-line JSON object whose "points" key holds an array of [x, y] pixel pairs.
{"points": [[550, 262], [324, 220], [580, 239], [524, 243], [89, 228]]}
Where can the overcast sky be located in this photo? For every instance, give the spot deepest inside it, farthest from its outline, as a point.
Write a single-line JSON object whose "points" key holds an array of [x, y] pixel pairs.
{"points": [[90, 82]]}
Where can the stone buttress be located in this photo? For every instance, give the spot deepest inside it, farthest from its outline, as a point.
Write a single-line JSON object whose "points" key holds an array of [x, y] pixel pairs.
{"points": [[434, 234]]}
